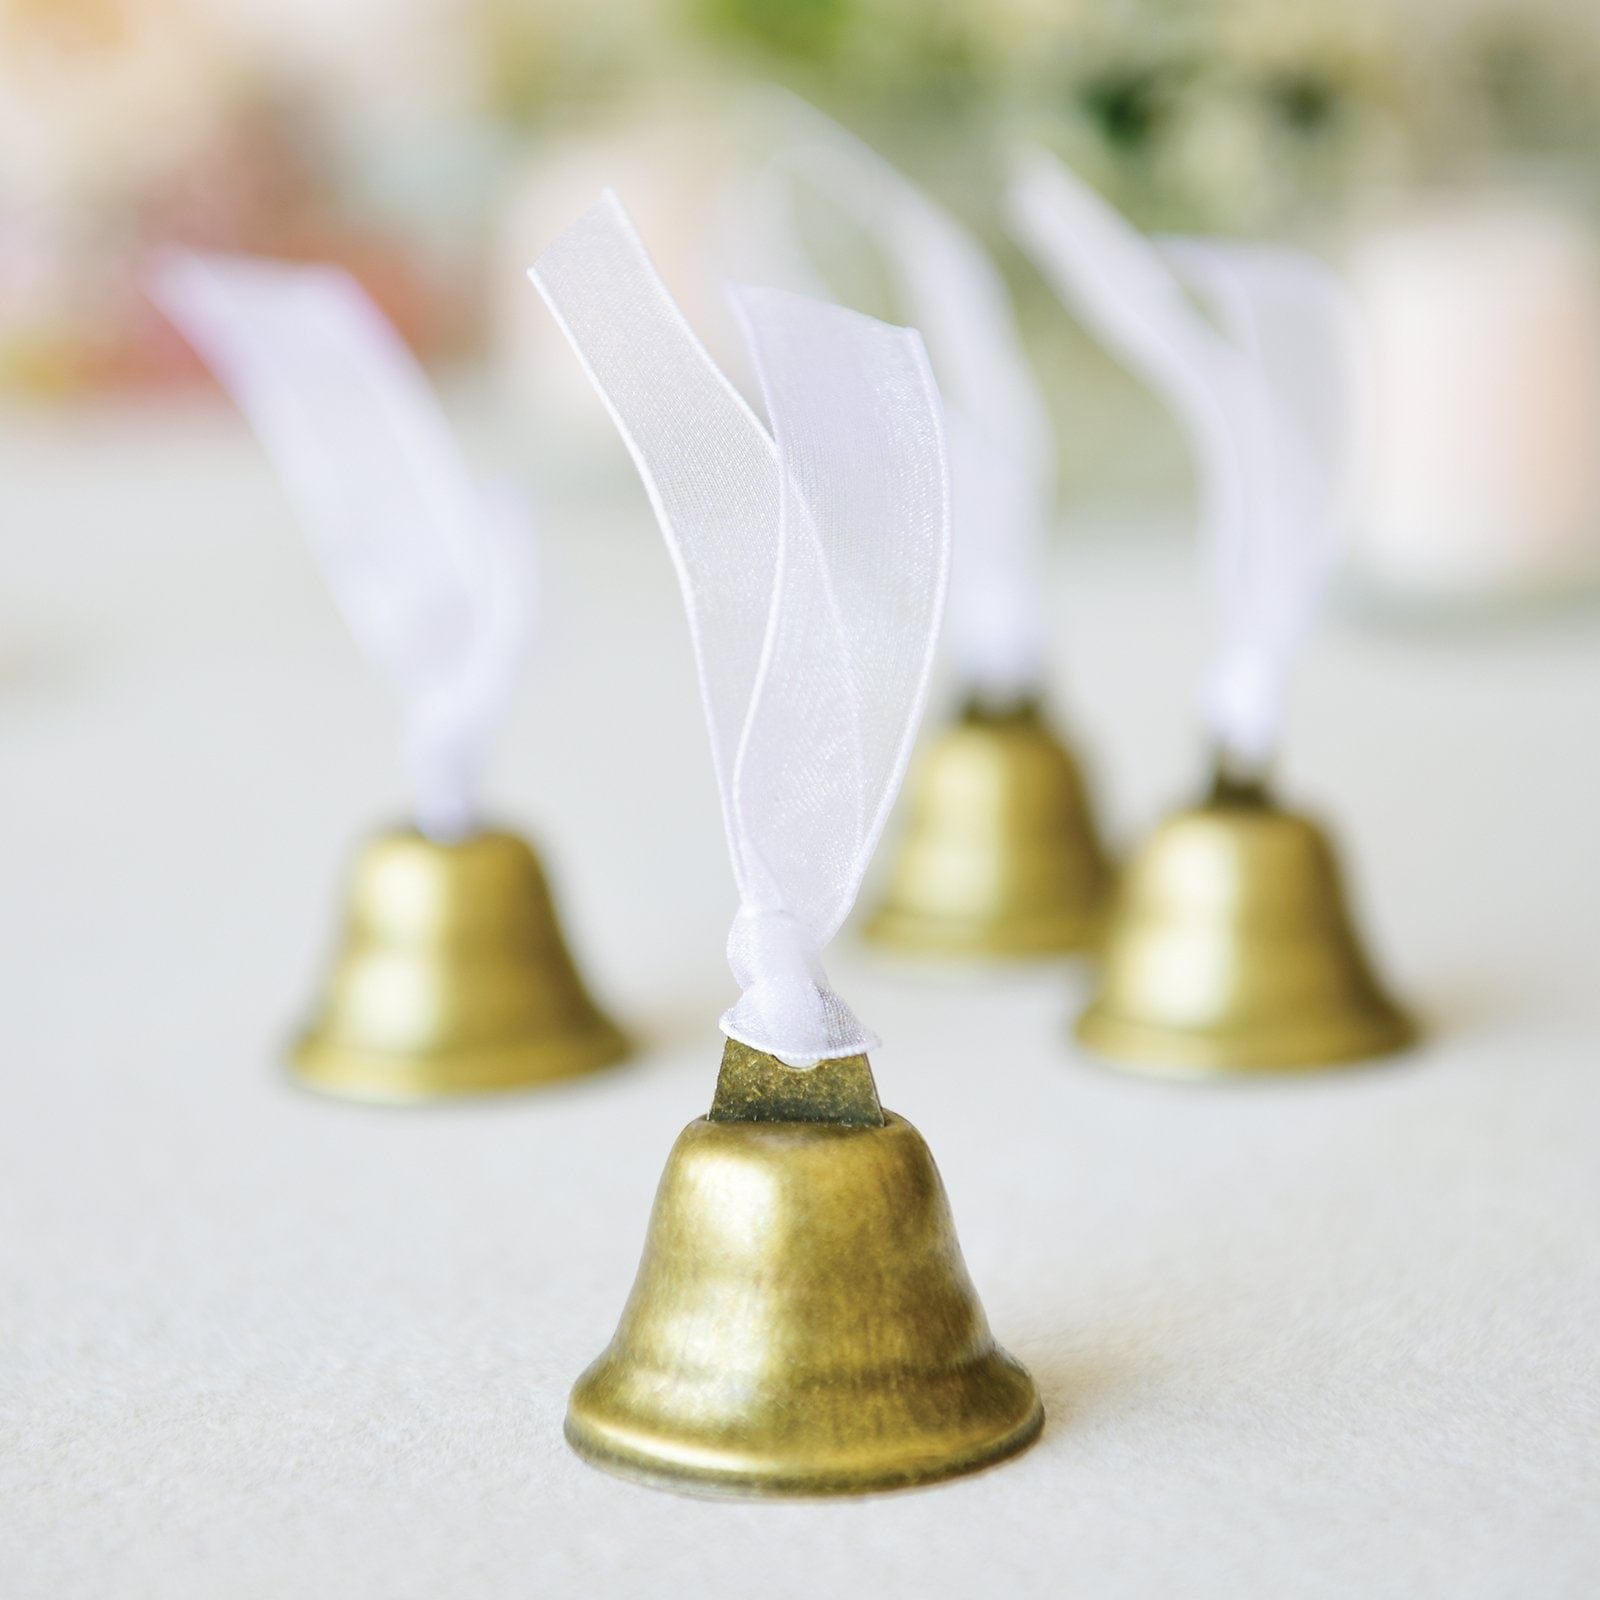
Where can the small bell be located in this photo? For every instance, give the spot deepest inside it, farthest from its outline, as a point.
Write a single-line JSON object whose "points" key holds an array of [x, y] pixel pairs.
{"points": [[1000, 856], [1230, 950], [802, 1322], [453, 978]]}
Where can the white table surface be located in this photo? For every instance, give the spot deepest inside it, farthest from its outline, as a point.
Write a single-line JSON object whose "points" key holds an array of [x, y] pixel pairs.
{"points": [[1331, 1337]]}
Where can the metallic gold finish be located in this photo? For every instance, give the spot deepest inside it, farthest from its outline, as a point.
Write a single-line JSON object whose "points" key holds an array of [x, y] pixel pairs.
{"points": [[453, 979], [1230, 950], [756, 1087], [1001, 856], [802, 1322]]}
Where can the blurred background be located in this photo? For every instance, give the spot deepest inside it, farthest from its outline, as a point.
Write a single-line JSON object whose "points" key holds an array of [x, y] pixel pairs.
{"points": [[1445, 152]]}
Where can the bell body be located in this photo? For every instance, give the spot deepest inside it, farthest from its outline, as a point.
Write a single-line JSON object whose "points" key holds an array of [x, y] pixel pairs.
{"points": [[1000, 856], [802, 1322], [453, 978], [1230, 949]]}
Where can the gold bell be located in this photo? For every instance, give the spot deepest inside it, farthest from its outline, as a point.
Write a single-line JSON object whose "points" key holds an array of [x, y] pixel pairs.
{"points": [[453, 979], [802, 1322], [1230, 950], [1001, 856]]}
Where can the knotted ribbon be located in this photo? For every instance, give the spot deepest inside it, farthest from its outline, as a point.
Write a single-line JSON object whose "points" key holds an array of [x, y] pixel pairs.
{"points": [[813, 560]]}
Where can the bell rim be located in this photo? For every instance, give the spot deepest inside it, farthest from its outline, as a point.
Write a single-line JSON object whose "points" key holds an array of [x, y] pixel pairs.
{"points": [[972, 938], [595, 1444], [405, 1078], [1196, 1053]]}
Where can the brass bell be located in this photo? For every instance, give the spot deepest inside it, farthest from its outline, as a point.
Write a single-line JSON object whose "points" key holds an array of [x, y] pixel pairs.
{"points": [[1230, 950], [1000, 856], [453, 978], [802, 1322]]}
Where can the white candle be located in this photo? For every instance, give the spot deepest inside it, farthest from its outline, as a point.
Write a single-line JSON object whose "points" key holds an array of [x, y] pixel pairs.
{"points": [[1484, 481]]}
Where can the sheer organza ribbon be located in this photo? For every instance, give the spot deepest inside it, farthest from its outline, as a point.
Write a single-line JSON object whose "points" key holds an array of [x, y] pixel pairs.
{"points": [[813, 561], [430, 574], [1257, 351], [999, 435]]}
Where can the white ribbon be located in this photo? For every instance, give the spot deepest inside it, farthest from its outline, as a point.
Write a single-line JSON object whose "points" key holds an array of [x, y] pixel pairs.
{"points": [[999, 435], [813, 561], [1267, 389], [430, 575]]}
